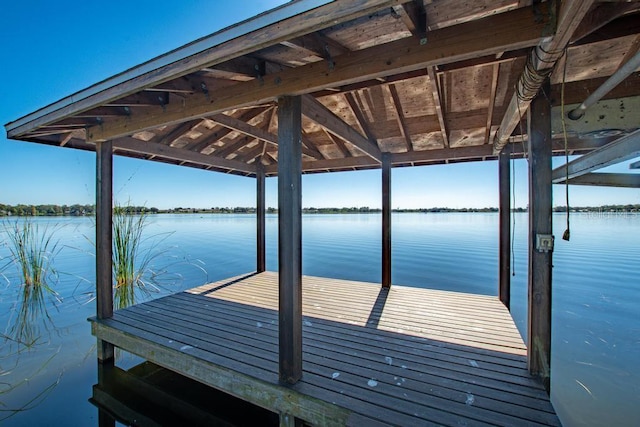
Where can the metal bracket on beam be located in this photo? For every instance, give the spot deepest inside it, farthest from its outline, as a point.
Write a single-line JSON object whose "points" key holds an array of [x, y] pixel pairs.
{"points": [[327, 56], [163, 103], [204, 89], [421, 26], [261, 70]]}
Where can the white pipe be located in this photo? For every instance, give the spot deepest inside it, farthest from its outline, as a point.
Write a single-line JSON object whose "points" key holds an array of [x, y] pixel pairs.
{"points": [[613, 81]]}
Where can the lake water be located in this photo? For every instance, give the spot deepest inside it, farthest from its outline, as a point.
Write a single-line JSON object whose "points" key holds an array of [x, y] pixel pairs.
{"points": [[596, 297]]}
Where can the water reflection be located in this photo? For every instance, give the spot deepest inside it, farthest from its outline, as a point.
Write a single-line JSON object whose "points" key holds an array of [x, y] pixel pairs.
{"points": [[150, 395]]}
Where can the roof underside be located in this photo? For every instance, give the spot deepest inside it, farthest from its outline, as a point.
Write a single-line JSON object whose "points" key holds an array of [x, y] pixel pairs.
{"points": [[429, 82]]}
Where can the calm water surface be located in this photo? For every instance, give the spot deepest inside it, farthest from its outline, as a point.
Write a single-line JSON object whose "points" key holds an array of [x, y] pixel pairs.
{"points": [[596, 297]]}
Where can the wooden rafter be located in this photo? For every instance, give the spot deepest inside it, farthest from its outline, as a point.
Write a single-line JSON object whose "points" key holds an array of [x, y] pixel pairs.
{"points": [[360, 118], [600, 15], [65, 139], [178, 131], [339, 143], [106, 111], [180, 154], [309, 148], [141, 99], [203, 144], [232, 146], [243, 127], [402, 124], [492, 100], [240, 69], [543, 58], [498, 33], [437, 100], [316, 111], [255, 132], [251, 153], [633, 50]]}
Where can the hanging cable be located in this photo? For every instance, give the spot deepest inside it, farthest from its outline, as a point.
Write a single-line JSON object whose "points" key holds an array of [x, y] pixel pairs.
{"points": [[567, 233], [513, 215], [524, 148]]}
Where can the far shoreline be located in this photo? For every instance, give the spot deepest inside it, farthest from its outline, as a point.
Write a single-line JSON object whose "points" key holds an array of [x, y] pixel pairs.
{"points": [[22, 210]]}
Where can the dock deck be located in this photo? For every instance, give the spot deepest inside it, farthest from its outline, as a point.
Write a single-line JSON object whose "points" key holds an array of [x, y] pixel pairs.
{"points": [[404, 356]]}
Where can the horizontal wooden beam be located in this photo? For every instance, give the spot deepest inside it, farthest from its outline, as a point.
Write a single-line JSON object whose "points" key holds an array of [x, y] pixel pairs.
{"points": [[180, 154], [316, 111], [440, 155], [622, 149], [602, 179], [494, 34]]}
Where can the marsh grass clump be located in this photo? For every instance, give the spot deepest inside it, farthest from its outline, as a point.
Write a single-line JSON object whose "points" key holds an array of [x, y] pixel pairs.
{"points": [[32, 252], [133, 255]]}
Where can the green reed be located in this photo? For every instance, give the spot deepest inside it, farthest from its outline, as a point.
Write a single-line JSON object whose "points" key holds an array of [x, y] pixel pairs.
{"points": [[32, 253], [131, 260]]}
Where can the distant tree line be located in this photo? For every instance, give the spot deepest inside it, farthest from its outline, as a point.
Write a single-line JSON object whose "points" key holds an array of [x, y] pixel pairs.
{"points": [[63, 210], [604, 208], [47, 210], [89, 210]]}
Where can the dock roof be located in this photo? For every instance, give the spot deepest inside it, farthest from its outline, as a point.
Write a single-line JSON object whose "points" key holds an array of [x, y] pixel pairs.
{"points": [[427, 81]]}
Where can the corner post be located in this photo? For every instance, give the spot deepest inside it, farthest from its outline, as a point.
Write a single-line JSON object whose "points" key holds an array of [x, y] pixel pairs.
{"points": [[104, 237], [504, 181], [290, 238], [260, 218], [386, 220], [540, 237]]}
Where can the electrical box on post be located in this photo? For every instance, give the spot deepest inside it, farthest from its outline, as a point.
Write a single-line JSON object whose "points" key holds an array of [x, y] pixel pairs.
{"points": [[544, 242]]}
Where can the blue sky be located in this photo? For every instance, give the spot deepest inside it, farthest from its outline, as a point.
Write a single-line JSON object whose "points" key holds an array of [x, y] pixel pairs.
{"points": [[52, 49]]}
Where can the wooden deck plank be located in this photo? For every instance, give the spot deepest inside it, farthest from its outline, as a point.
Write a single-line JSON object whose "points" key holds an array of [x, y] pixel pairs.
{"points": [[407, 350], [352, 379], [400, 357], [328, 329], [448, 349], [313, 346], [353, 365], [457, 325], [342, 345]]}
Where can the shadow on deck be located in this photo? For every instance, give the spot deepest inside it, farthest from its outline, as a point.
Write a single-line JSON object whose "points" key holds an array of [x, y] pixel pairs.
{"points": [[406, 356]]}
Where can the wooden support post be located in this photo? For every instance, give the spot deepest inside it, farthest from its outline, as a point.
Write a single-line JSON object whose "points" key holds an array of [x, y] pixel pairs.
{"points": [[504, 179], [386, 220], [290, 237], [540, 238], [260, 219], [104, 237]]}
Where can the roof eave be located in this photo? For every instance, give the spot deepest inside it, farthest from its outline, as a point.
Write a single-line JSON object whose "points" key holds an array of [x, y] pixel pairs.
{"points": [[156, 70]]}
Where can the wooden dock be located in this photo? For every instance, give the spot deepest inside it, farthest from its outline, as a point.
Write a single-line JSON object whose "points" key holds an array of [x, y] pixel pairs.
{"points": [[372, 356]]}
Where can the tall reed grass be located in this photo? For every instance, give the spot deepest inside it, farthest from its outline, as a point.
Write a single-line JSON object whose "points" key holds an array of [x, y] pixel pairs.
{"points": [[32, 253], [133, 254]]}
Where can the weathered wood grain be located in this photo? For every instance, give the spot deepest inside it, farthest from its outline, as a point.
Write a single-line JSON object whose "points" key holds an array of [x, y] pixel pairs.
{"points": [[427, 352], [540, 223]]}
